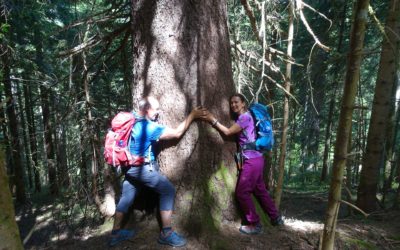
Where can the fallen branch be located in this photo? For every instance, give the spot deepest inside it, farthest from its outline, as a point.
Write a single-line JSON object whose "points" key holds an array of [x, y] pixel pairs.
{"points": [[28, 236]]}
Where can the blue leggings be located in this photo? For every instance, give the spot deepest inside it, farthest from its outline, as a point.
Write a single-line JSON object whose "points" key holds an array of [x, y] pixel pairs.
{"points": [[148, 176]]}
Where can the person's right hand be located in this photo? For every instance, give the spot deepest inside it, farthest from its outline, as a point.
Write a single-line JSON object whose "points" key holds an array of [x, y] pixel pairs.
{"points": [[209, 117], [199, 112]]}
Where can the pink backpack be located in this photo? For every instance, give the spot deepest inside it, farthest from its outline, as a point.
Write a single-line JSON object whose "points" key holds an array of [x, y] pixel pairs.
{"points": [[116, 151]]}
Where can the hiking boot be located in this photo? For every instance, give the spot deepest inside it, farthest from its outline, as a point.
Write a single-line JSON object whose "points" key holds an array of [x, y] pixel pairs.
{"points": [[277, 221], [251, 229], [172, 238], [117, 236]]}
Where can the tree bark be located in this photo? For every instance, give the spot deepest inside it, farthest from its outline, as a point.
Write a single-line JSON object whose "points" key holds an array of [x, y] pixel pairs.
{"points": [[48, 140], [89, 127], [345, 120], [285, 122], [366, 196], [390, 148], [25, 137], [47, 125], [9, 233], [396, 202], [181, 56], [28, 92], [13, 131], [328, 130]]}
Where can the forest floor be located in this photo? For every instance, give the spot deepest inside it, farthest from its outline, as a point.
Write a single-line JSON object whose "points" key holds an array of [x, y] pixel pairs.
{"points": [[44, 228]]}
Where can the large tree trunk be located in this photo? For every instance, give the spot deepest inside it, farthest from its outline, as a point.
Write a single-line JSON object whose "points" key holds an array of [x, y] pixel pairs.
{"points": [[9, 233], [285, 122], [366, 196], [181, 56], [345, 120]]}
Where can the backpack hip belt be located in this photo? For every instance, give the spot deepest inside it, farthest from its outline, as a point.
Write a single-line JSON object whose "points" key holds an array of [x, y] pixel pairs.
{"points": [[248, 146]]}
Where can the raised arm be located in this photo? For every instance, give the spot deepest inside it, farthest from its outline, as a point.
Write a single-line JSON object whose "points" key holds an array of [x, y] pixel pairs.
{"points": [[175, 133]]}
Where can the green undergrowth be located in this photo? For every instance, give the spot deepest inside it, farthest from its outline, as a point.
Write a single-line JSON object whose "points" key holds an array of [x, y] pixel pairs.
{"points": [[352, 243], [312, 187]]}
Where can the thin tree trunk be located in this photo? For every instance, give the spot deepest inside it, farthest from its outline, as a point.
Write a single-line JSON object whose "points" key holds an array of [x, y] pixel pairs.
{"points": [[391, 138], [48, 140], [47, 125], [349, 164], [328, 133], [285, 122], [328, 130], [13, 131], [345, 120], [25, 137], [304, 144], [83, 172], [9, 233], [396, 202], [32, 134], [62, 155], [366, 196], [293, 136], [89, 124]]}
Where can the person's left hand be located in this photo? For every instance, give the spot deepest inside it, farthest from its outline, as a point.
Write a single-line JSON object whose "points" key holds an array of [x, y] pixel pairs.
{"points": [[209, 117]]}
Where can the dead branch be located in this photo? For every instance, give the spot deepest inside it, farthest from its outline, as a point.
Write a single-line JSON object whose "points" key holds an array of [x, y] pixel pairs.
{"points": [[253, 23], [354, 153], [123, 43], [270, 65], [319, 13], [28, 236], [93, 41], [360, 107], [284, 90], [253, 56], [381, 28], [348, 191], [355, 207], [299, 7], [258, 4], [92, 20], [252, 18]]}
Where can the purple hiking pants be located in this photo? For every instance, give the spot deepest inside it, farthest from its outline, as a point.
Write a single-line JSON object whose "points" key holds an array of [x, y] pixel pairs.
{"points": [[250, 182]]}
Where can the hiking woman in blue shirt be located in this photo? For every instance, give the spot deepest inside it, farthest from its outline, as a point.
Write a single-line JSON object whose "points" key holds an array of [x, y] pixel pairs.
{"points": [[251, 165]]}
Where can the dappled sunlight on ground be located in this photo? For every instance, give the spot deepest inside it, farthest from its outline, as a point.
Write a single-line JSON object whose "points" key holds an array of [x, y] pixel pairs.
{"points": [[51, 227], [303, 225]]}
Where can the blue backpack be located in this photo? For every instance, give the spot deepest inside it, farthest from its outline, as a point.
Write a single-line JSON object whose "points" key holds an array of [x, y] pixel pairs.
{"points": [[263, 125]]}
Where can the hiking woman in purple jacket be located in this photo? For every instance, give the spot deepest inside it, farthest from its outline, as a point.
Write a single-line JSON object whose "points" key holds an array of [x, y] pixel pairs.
{"points": [[250, 180]]}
